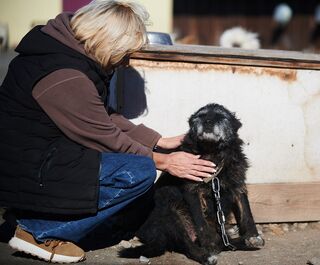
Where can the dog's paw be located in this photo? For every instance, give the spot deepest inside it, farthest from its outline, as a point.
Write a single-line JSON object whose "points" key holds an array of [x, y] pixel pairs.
{"points": [[254, 242], [211, 260]]}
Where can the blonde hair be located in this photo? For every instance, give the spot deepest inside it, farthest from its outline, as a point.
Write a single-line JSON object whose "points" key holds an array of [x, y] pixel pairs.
{"points": [[110, 29]]}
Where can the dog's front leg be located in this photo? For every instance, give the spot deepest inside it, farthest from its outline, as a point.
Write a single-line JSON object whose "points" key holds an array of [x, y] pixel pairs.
{"points": [[201, 212], [247, 227], [200, 254]]}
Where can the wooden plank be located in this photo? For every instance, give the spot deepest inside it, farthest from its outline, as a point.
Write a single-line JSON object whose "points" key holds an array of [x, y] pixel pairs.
{"points": [[232, 56], [290, 202]]}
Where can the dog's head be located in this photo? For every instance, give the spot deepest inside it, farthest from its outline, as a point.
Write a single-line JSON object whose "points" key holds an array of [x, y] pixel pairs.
{"points": [[214, 123]]}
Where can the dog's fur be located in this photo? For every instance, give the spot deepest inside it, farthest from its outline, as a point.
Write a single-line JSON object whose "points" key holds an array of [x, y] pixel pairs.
{"points": [[184, 217]]}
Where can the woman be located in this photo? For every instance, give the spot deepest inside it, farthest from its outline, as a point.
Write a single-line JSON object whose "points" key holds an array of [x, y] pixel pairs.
{"points": [[66, 160]]}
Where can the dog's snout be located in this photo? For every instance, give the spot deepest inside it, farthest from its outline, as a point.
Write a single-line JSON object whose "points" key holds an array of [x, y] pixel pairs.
{"points": [[209, 122]]}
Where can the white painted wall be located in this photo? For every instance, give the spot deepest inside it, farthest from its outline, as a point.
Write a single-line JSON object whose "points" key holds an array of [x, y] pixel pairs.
{"points": [[280, 116]]}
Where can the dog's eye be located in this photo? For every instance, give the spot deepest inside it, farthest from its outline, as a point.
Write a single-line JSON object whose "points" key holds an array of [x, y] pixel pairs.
{"points": [[202, 115]]}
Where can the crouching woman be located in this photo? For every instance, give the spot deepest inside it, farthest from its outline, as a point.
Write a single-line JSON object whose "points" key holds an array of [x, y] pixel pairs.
{"points": [[64, 153]]}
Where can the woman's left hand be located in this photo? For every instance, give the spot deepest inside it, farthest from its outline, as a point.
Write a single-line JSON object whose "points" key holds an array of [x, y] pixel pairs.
{"points": [[170, 142]]}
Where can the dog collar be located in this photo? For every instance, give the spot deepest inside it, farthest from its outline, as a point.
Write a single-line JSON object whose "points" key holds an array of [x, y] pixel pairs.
{"points": [[219, 168]]}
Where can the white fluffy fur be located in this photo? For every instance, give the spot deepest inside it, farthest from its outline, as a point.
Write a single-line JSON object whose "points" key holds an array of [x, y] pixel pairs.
{"points": [[239, 37]]}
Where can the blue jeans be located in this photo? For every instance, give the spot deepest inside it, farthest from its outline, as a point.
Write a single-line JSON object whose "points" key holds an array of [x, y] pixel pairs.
{"points": [[123, 178]]}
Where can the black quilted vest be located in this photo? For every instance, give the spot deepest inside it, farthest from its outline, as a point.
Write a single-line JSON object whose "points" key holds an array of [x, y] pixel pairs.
{"points": [[41, 169]]}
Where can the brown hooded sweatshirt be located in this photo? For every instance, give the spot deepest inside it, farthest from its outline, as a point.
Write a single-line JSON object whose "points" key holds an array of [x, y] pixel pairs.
{"points": [[71, 100]]}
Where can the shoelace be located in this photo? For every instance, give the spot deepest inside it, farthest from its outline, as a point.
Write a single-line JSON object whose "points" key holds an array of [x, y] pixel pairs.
{"points": [[54, 243]]}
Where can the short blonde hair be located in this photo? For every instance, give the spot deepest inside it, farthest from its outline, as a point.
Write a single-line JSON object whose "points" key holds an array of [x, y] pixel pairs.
{"points": [[110, 29]]}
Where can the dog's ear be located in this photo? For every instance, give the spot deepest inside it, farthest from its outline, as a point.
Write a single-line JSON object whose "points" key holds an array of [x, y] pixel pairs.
{"points": [[191, 125], [236, 122], [192, 132], [191, 120]]}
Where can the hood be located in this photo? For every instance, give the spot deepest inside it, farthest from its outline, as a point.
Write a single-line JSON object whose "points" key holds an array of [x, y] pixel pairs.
{"points": [[59, 29]]}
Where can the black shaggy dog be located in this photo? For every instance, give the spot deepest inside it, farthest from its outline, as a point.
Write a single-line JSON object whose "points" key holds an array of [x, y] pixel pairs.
{"points": [[185, 217]]}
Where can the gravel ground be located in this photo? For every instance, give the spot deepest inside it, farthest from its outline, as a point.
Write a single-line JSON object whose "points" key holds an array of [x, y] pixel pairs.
{"points": [[286, 244]]}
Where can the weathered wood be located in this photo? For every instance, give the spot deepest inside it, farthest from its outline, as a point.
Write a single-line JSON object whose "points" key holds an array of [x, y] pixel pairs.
{"points": [[216, 55], [290, 202]]}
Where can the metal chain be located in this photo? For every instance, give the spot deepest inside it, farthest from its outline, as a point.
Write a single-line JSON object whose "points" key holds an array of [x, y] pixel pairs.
{"points": [[219, 169], [220, 214]]}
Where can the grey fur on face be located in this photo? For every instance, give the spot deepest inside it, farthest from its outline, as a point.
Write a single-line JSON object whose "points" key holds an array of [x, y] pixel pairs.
{"points": [[212, 124]]}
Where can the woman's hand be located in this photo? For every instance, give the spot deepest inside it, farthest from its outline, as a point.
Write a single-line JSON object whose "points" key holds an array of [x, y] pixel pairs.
{"points": [[170, 142], [184, 165]]}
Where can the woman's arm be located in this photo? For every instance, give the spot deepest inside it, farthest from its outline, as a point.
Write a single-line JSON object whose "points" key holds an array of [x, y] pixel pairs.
{"points": [[170, 142], [184, 165], [139, 133], [71, 100]]}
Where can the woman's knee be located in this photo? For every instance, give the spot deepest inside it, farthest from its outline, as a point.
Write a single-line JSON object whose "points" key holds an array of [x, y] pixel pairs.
{"points": [[123, 171], [146, 169]]}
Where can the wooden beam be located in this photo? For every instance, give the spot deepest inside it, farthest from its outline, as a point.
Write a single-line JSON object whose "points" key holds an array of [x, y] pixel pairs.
{"points": [[217, 55], [290, 202]]}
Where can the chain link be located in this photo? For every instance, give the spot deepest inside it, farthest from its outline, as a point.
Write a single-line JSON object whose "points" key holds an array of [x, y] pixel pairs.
{"points": [[220, 215]]}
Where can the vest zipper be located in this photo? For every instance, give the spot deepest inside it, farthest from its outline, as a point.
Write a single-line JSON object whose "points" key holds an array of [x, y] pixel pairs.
{"points": [[45, 162]]}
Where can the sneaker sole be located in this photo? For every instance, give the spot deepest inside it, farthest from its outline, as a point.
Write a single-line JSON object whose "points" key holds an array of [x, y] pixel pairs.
{"points": [[21, 245]]}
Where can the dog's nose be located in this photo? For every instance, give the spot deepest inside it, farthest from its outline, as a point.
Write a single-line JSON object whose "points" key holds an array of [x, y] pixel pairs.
{"points": [[209, 122]]}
